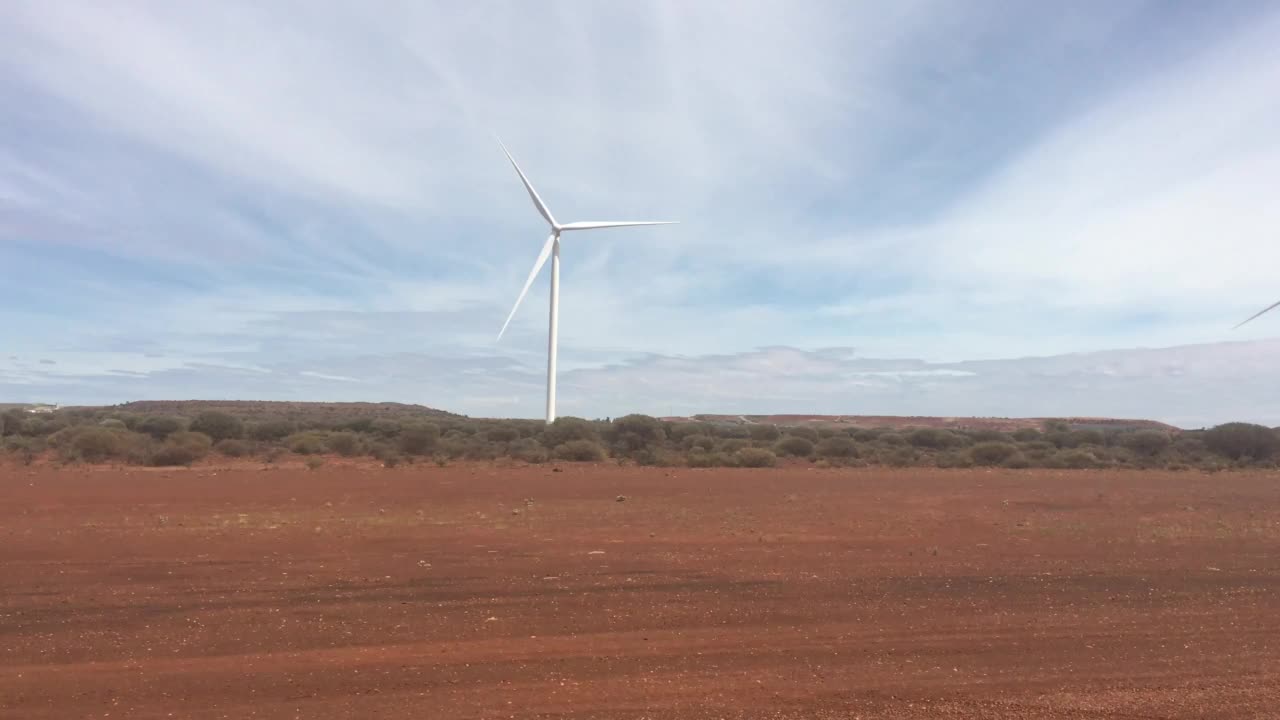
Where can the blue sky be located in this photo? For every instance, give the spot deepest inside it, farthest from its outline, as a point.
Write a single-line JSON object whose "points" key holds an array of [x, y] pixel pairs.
{"points": [[921, 207]]}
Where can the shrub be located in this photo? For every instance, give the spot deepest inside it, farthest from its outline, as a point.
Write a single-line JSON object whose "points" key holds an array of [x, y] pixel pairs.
{"points": [[1017, 461], [384, 428], [13, 422], [24, 447], [345, 443], [763, 433], [1074, 460], [528, 450], [1026, 435], [217, 425], [794, 446], [314, 463], [732, 446], [805, 432], [631, 434], [306, 443], [568, 429], [161, 426], [233, 448], [891, 439], [1239, 440], [95, 444], [419, 438], [271, 430], [113, 424], [981, 436], [705, 442], [502, 434], [954, 459], [934, 438], [752, 457], [838, 446], [991, 454], [182, 448], [658, 457], [579, 451], [904, 456]]}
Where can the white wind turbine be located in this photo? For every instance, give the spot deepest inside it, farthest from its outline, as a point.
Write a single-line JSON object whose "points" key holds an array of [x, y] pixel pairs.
{"points": [[552, 248]]}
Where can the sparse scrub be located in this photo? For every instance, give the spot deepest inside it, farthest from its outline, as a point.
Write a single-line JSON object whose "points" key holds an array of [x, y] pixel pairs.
{"points": [[764, 433], [419, 438], [569, 429], [933, 439]]}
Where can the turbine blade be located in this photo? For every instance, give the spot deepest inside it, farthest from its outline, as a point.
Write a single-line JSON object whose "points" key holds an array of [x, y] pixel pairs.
{"points": [[542, 260], [533, 194], [596, 225], [1270, 307]]}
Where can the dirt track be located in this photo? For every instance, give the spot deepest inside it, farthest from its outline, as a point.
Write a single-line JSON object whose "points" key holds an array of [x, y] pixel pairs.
{"points": [[443, 593]]}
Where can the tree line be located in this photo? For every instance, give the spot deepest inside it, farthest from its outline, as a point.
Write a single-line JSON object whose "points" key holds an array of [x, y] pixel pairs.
{"points": [[105, 435]]}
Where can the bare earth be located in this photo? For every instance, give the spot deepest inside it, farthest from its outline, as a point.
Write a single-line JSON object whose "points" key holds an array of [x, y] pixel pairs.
{"points": [[488, 592]]}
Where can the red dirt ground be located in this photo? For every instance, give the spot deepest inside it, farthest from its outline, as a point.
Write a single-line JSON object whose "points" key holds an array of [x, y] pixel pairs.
{"points": [[488, 592]]}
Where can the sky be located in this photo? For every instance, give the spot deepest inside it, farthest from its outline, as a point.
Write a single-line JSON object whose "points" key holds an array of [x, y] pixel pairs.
{"points": [[930, 207]]}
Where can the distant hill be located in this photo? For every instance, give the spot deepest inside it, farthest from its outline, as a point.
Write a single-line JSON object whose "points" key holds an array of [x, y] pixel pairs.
{"points": [[284, 410], [906, 422]]}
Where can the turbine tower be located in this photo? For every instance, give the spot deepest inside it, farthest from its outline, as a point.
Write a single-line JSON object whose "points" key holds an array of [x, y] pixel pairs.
{"points": [[551, 248], [1260, 312]]}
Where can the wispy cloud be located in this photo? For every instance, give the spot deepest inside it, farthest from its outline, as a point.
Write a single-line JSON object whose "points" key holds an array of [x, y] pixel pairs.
{"points": [[265, 185]]}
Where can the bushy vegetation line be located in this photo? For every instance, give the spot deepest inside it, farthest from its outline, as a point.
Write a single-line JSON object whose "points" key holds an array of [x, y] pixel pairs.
{"points": [[106, 435]]}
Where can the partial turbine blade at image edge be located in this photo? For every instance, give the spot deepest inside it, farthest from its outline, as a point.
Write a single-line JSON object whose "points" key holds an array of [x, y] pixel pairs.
{"points": [[1260, 313], [542, 260]]}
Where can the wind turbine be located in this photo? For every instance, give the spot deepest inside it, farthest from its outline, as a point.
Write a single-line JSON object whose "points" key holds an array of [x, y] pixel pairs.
{"points": [[552, 249], [1272, 306]]}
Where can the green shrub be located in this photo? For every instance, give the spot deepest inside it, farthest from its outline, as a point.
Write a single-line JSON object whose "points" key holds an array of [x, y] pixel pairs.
{"points": [[579, 451], [733, 445], [568, 429], [113, 424], [96, 444], [631, 434], [891, 439], [161, 426], [752, 457], [182, 448], [763, 433], [419, 438], [345, 443], [1148, 443], [903, 456], [217, 425], [314, 463], [273, 430], [933, 438], [1017, 461], [838, 446], [991, 454], [954, 459], [502, 434], [1027, 435], [1239, 441], [311, 442], [794, 446], [528, 450], [233, 448], [804, 431], [1074, 460], [705, 442]]}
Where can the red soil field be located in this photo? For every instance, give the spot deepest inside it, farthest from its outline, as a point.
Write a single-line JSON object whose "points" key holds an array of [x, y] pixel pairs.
{"points": [[479, 591]]}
